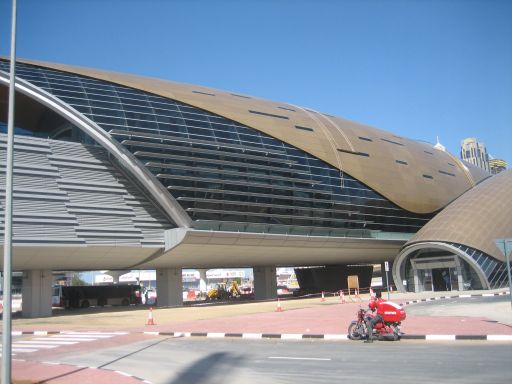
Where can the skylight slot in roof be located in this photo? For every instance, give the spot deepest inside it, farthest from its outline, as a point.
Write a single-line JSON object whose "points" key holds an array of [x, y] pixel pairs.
{"points": [[430, 153], [354, 153], [392, 142], [428, 176], [269, 114], [287, 109], [401, 162], [453, 165], [365, 138], [447, 173], [304, 128], [204, 93], [242, 96]]}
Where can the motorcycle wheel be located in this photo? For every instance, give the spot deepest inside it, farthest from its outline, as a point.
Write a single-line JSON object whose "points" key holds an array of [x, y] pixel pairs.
{"points": [[396, 334], [356, 332]]}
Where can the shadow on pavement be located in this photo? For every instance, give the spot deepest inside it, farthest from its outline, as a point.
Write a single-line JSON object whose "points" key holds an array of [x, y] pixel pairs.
{"points": [[211, 369]]}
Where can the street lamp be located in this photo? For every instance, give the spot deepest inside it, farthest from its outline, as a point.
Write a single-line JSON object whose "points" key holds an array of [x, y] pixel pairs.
{"points": [[7, 287]]}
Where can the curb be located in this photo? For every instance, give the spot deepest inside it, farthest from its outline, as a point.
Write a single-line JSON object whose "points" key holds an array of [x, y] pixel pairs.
{"points": [[289, 336], [331, 337], [455, 297]]}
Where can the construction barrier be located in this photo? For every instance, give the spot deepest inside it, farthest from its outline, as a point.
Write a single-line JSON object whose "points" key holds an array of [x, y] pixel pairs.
{"points": [[344, 295], [279, 308]]}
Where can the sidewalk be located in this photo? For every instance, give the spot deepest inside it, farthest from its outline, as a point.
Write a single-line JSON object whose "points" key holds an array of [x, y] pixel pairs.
{"points": [[299, 319], [309, 315]]}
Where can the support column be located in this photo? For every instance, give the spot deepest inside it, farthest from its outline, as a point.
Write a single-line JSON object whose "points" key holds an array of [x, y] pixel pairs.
{"points": [[460, 279], [36, 293], [169, 286], [265, 283], [202, 280], [417, 287]]}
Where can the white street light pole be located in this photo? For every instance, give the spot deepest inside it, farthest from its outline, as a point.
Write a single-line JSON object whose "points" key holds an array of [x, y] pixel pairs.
{"points": [[7, 287]]}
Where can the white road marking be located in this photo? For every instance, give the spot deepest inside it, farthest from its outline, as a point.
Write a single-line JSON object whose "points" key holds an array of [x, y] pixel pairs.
{"points": [[123, 373], [41, 340], [73, 335], [28, 344], [291, 336], [499, 337], [299, 358], [57, 340], [215, 334], [440, 337], [252, 336], [93, 333], [27, 350], [69, 338], [335, 337]]}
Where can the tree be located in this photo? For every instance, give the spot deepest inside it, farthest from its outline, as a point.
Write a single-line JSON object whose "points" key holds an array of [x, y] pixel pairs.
{"points": [[76, 279]]}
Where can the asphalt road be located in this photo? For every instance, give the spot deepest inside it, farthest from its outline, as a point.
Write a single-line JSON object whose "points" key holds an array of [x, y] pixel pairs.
{"points": [[224, 361], [495, 308]]}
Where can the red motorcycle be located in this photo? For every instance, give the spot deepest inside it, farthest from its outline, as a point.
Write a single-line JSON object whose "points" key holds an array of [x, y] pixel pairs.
{"points": [[389, 329]]}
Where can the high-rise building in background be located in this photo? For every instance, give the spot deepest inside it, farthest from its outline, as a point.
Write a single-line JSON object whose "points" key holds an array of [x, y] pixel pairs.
{"points": [[497, 165], [475, 153]]}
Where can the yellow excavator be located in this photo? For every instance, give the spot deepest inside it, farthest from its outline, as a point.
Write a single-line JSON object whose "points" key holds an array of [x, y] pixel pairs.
{"points": [[222, 292]]}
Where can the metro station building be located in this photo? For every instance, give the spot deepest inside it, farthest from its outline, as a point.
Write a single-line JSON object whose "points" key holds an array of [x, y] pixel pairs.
{"points": [[116, 171]]}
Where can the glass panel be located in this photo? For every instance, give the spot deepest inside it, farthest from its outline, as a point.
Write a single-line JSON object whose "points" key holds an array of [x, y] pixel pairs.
{"points": [[266, 167]]}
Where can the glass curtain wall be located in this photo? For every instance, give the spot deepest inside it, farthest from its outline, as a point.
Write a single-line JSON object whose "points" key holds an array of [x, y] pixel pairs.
{"points": [[226, 175]]}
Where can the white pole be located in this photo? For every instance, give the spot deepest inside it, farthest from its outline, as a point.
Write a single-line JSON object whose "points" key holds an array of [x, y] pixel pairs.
{"points": [[7, 288], [507, 260]]}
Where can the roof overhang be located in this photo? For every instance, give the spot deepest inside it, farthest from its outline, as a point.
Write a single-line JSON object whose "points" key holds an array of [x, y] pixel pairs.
{"points": [[187, 248], [208, 249], [77, 257]]}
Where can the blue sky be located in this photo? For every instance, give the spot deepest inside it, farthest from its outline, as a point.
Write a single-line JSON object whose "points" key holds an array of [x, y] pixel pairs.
{"points": [[416, 68]]}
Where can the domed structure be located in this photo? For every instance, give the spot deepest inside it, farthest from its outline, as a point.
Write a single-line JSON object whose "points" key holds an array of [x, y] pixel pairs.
{"points": [[460, 241]]}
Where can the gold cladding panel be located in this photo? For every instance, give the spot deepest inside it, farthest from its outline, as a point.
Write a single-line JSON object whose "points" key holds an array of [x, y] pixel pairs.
{"points": [[475, 219], [402, 184]]}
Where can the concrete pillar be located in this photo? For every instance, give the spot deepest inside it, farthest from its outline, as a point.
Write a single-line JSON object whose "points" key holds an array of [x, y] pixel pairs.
{"points": [[460, 279], [265, 283], [169, 287], [117, 274], [417, 287], [36, 293], [202, 280]]}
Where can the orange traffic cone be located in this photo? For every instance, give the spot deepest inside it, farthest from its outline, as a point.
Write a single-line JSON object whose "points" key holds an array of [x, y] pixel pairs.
{"points": [[323, 298], [150, 317], [279, 308]]}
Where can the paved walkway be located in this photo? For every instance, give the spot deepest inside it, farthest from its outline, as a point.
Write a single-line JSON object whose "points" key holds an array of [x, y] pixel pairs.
{"points": [[29, 372], [304, 318]]}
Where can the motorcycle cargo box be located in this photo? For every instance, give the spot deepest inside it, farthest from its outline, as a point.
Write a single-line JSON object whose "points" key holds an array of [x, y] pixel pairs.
{"points": [[391, 312]]}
